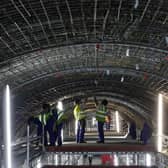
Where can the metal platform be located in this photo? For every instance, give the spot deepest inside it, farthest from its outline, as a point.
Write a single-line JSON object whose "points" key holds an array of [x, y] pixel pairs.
{"points": [[110, 147]]}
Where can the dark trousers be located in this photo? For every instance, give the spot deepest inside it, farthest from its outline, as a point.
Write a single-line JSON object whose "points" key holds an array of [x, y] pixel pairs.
{"points": [[49, 128], [56, 135], [80, 130], [38, 123], [101, 131], [59, 136]]}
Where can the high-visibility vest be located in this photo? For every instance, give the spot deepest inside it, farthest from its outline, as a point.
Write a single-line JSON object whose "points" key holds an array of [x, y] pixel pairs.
{"points": [[101, 113], [78, 113], [61, 117], [44, 117]]}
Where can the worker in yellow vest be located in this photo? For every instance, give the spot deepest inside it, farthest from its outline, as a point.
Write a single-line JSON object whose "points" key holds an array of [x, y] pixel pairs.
{"points": [[101, 112], [60, 118], [80, 117], [42, 120]]}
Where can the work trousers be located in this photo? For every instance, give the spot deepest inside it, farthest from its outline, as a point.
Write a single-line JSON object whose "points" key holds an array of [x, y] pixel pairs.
{"points": [[101, 131], [80, 130]]}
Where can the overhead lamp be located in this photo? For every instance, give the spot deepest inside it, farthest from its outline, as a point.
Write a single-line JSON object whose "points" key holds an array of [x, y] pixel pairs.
{"points": [[137, 66], [122, 79], [107, 72], [127, 52], [95, 82], [136, 4], [117, 122], [166, 38], [60, 105]]}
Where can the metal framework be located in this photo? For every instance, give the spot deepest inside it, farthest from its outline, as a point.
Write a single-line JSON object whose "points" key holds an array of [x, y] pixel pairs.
{"points": [[51, 49]]}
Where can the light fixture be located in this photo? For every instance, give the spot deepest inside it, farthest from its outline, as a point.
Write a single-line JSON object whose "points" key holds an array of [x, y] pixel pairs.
{"points": [[60, 105], [127, 52], [8, 155], [136, 4], [166, 38], [107, 72], [160, 121], [96, 82], [122, 79], [137, 66], [117, 122]]}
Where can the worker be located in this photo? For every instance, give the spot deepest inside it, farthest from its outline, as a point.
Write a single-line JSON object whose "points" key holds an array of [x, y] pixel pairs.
{"points": [[132, 130], [58, 126], [35, 120], [101, 113], [44, 117], [146, 133], [41, 120], [80, 118], [49, 126]]}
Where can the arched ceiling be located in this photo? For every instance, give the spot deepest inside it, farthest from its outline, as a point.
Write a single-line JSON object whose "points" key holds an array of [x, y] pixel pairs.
{"points": [[52, 49]]}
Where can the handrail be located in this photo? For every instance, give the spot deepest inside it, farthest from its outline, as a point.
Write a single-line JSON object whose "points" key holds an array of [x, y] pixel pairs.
{"points": [[89, 166], [102, 148], [28, 141]]}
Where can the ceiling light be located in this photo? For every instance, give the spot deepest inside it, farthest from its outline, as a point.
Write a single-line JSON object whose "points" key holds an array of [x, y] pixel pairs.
{"points": [[107, 72], [122, 79], [166, 38], [137, 66], [60, 105], [127, 52], [136, 4], [95, 82], [117, 122]]}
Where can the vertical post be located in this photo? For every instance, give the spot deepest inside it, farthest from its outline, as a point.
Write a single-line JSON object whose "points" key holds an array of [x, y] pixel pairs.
{"points": [[1, 137], [7, 131], [160, 122], [135, 157], [1, 145], [117, 122], [28, 146], [96, 56]]}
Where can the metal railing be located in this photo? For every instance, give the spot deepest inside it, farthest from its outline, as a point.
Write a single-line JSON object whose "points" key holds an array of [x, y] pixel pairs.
{"points": [[150, 159], [89, 158]]}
